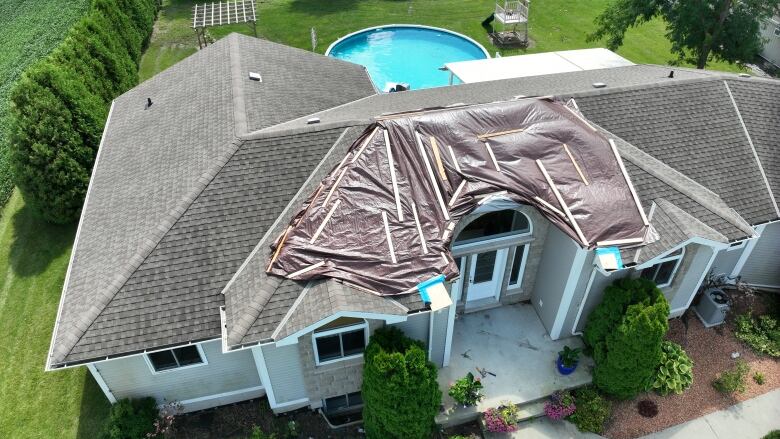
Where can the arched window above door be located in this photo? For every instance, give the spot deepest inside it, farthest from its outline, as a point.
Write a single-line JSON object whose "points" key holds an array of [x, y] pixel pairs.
{"points": [[496, 224]]}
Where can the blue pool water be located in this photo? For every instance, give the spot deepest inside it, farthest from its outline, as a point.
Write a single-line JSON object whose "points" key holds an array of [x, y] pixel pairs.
{"points": [[406, 54]]}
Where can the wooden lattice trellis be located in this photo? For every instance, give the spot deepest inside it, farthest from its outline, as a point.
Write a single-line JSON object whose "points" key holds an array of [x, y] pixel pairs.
{"points": [[222, 13]]}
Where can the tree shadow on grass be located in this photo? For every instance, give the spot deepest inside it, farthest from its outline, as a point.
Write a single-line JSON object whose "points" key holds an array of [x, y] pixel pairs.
{"points": [[94, 409], [36, 243]]}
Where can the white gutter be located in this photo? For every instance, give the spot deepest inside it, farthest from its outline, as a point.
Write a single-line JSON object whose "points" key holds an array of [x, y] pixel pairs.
{"points": [[48, 367]]}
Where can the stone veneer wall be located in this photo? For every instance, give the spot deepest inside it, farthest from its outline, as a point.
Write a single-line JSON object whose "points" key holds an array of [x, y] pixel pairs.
{"points": [[540, 225], [332, 379]]}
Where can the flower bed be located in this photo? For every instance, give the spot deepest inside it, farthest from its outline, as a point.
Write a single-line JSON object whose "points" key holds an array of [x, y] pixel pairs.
{"points": [[502, 419], [711, 350]]}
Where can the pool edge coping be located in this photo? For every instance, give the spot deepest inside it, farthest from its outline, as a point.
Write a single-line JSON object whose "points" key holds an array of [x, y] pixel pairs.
{"points": [[421, 26]]}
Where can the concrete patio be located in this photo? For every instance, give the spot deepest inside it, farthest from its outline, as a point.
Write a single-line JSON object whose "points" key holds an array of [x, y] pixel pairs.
{"points": [[510, 342]]}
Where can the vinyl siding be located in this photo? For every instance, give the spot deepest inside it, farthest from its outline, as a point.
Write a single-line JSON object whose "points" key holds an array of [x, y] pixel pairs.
{"points": [[439, 337], [688, 278], [771, 50], [131, 377], [726, 261], [285, 372], [763, 265], [554, 267], [416, 327]]}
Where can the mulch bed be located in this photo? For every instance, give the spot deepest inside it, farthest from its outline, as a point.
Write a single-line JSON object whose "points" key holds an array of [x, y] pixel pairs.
{"points": [[237, 420], [710, 349], [470, 431]]}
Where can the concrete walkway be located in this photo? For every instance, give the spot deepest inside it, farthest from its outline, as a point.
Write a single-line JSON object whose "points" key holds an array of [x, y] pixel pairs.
{"points": [[751, 419]]}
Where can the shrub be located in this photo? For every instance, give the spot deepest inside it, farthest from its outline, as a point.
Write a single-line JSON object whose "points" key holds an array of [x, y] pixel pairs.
{"points": [[762, 334], [130, 419], [560, 405], [258, 433], [502, 419], [675, 372], [400, 393], [466, 391], [625, 333], [733, 380], [647, 408], [609, 313], [593, 411], [759, 378]]}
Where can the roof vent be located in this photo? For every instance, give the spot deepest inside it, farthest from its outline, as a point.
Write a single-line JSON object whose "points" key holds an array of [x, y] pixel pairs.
{"points": [[599, 85], [744, 75], [148, 103], [312, 120], [671, 74], [254, 76]]}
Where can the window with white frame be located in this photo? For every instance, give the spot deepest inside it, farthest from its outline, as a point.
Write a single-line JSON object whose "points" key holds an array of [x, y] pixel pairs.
{"points": [[662, 273], [518, 266], [176, 358], [343, 338]]}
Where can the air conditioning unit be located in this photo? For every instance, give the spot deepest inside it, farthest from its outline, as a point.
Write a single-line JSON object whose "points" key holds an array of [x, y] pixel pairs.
{"points": [[712, 307]]}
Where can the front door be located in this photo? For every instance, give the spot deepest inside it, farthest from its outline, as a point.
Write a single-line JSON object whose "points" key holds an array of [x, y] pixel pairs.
{"points": [[486, 271]]}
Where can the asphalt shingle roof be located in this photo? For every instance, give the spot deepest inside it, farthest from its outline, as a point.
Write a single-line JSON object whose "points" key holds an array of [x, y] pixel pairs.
{"points": [[692, 127], [492, 91], [183, 206], [759, 104], [323, 299], [131, 283]]}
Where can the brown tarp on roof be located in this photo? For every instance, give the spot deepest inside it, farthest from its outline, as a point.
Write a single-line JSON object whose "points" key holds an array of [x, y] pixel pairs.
{"points": [[386, 229]]}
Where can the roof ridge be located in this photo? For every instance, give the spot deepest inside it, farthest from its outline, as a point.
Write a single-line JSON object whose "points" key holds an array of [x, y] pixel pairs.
{"points": [[682, 183], [258, 301], [647, 86], [148, 245], [240, 124]]}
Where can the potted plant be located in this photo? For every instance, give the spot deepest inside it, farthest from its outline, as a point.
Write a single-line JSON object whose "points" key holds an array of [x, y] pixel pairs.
{"points": [[466, 391], [502, 419], [567, 360], [560, 405]]}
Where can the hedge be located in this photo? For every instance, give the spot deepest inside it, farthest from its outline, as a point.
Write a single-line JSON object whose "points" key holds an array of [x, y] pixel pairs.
{"points": [[401, 396], [59, 106]]}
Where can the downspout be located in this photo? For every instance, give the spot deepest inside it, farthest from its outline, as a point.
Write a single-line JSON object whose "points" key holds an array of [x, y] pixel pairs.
{"points": [[583, 301]]}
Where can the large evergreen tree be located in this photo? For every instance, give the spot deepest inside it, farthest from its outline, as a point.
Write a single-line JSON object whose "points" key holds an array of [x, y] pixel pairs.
{"points": [[55, 133], [699, 30], [400, 393]]}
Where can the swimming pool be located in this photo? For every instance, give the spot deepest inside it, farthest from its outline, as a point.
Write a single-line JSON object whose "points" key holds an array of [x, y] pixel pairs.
{"points": [[406, 53]]}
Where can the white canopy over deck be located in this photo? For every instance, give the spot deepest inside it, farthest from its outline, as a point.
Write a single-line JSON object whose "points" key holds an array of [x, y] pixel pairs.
{"points": [[534, 65]]}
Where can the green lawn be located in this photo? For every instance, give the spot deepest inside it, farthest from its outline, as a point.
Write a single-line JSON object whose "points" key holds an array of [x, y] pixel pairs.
{"points": [[555, 25], [37, 404]]}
